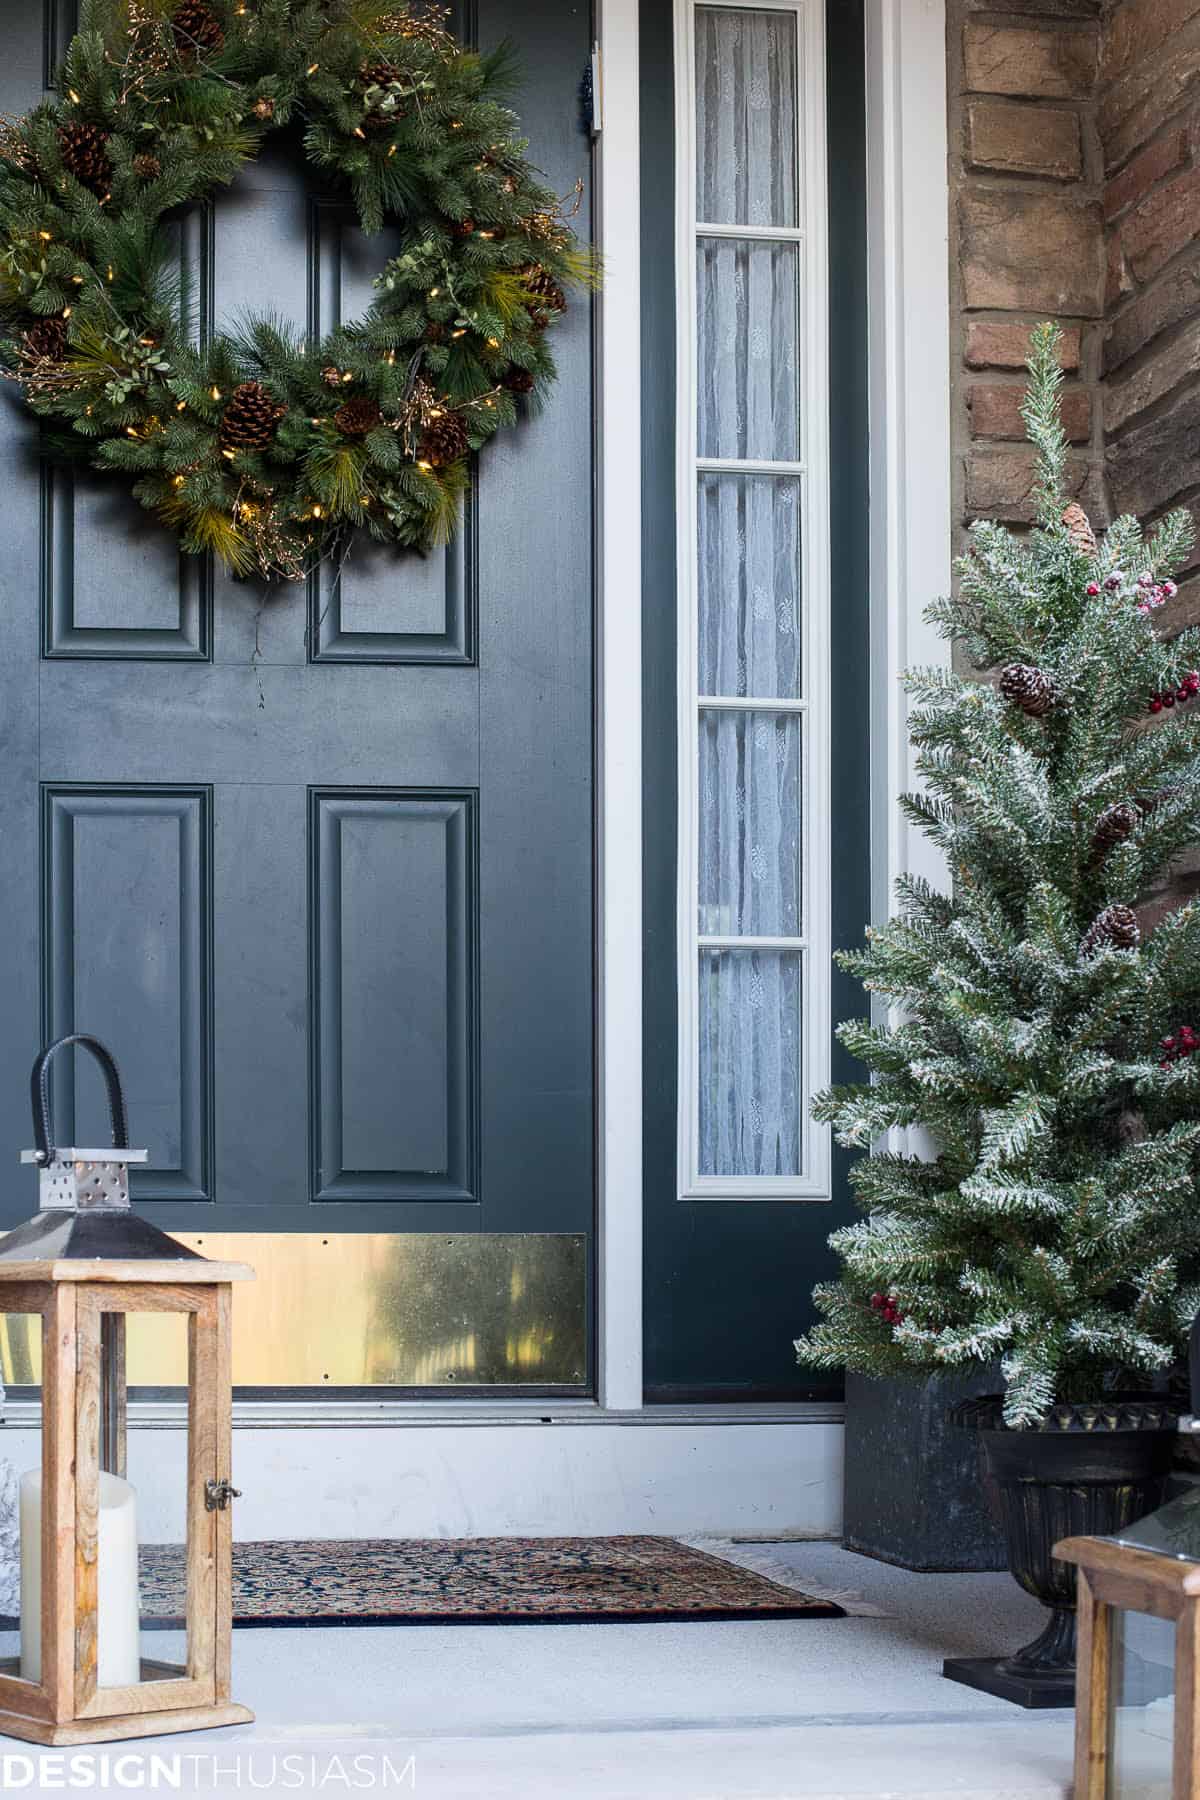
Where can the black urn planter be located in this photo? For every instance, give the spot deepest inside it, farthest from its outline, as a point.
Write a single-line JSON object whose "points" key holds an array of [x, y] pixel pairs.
{"points": [[1088, 1471]]}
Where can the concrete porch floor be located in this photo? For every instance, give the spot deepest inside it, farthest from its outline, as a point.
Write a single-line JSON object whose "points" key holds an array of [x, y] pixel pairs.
{"points": [[739, 1711]]}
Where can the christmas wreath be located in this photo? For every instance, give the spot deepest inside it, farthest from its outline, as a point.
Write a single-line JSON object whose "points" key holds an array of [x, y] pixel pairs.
{"points": [[258, 445]]}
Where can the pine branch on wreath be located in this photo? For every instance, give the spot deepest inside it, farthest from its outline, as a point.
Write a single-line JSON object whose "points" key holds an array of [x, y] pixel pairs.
{"points": [[261, 447]]}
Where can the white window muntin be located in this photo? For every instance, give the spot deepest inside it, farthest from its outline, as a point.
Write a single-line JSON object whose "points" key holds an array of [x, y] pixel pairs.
{"points": [[811, 705]]}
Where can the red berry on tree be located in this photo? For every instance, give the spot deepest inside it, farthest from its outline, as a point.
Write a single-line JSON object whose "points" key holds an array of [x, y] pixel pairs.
{"points": [[1093, 588], [1168, 698], [1156, 705]]}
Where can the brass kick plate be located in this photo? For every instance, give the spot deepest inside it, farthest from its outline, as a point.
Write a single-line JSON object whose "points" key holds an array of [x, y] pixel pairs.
{"points": [[366, 1309]]}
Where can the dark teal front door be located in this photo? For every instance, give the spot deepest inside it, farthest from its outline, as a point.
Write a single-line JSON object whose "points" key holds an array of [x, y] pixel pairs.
{"points": [[316, 863]]}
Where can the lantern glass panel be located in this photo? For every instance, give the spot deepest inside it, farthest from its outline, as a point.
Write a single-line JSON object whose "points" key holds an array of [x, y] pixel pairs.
{"points": [[156, 1475], [20, 1497], [1141, 1707]]}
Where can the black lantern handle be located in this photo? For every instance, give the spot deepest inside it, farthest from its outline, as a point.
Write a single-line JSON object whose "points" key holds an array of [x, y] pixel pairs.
{"points": [[39, 1086]]}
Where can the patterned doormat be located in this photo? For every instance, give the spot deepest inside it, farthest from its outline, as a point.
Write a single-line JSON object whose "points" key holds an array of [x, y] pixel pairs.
{"points": [[478, 1581]]}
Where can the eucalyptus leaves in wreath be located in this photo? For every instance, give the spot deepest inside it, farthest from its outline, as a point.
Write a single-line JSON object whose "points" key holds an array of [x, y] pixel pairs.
{"points": [[258, 445]]}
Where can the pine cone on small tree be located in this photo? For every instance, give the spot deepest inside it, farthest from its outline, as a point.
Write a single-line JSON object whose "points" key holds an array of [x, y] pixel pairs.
{"points": [[1116, 928], [1029, 688], [250, 418], [357, 416], [84, 150], [444, 440], [196, 28], [1114, 825], [146, 166], [1079, 529], [47, 338]]}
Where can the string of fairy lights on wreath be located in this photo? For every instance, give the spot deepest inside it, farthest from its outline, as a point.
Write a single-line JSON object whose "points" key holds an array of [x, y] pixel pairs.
{"points": [[256, 444]]}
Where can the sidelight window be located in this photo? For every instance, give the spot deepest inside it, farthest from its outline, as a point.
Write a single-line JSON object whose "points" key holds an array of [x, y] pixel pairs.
{"points": [[754, 596]]}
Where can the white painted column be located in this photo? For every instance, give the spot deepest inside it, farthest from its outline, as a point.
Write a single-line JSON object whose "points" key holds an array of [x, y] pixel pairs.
{"points": [[909, 281], [619, 591]]}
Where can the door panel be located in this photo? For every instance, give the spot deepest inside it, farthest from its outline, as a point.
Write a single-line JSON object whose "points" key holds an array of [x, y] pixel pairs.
{"points": [[394, 910], [127, 925], [317, 864], [158, 605]]}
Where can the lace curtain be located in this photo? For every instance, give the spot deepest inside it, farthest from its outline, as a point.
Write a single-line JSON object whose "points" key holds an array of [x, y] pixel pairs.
{"points": [[745, 117], [748, 597]]}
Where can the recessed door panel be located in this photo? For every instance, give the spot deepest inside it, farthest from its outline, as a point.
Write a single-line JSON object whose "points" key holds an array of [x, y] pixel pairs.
{"points": [[358, 610], [394, 1034], [127, 925]]}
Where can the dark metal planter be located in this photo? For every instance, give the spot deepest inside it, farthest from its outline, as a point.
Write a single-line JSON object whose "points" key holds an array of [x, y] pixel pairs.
{"points": [[914, 1491], [1089, 1471]]}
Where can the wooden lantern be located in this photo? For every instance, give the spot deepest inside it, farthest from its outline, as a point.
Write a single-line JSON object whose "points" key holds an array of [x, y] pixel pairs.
{"points": [[83, 1264], [1137, 1717]]}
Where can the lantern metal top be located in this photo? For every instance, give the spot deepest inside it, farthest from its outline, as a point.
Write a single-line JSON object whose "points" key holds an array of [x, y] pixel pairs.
{"points": [[83, 1216]]}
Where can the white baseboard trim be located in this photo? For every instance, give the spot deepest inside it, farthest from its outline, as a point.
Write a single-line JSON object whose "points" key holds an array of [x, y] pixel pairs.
{"points": [[571, 1477]]}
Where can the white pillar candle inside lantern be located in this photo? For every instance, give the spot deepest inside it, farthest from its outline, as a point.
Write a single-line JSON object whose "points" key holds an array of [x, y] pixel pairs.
{"points": [[118, 1660]]}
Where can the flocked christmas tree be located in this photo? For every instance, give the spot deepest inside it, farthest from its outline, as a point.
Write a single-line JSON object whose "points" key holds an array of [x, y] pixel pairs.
{"points": [[1038, 1032]]}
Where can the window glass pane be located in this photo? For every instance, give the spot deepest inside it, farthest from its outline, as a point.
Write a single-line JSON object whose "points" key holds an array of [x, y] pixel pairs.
{"points": [[748, 350], [749, 824], [745, 117], [750, 1073], [748, 592]]}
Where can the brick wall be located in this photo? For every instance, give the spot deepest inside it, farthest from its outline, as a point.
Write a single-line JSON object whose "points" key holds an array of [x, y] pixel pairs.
{"points": [[1075, 194], [1148, 119], [1027, 229]]}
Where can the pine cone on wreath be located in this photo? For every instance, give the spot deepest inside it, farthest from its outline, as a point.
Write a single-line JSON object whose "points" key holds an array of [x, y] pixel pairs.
{"points": [[545, 294], [1079, 529], [358, 416], [84, 150], [1113, 826], [517, 380], [382, 75], [1029, 688], [47, 338], [444, 440], [1115, 928], [264, 108], [250, 417], [196, 28], [146, 167]]}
